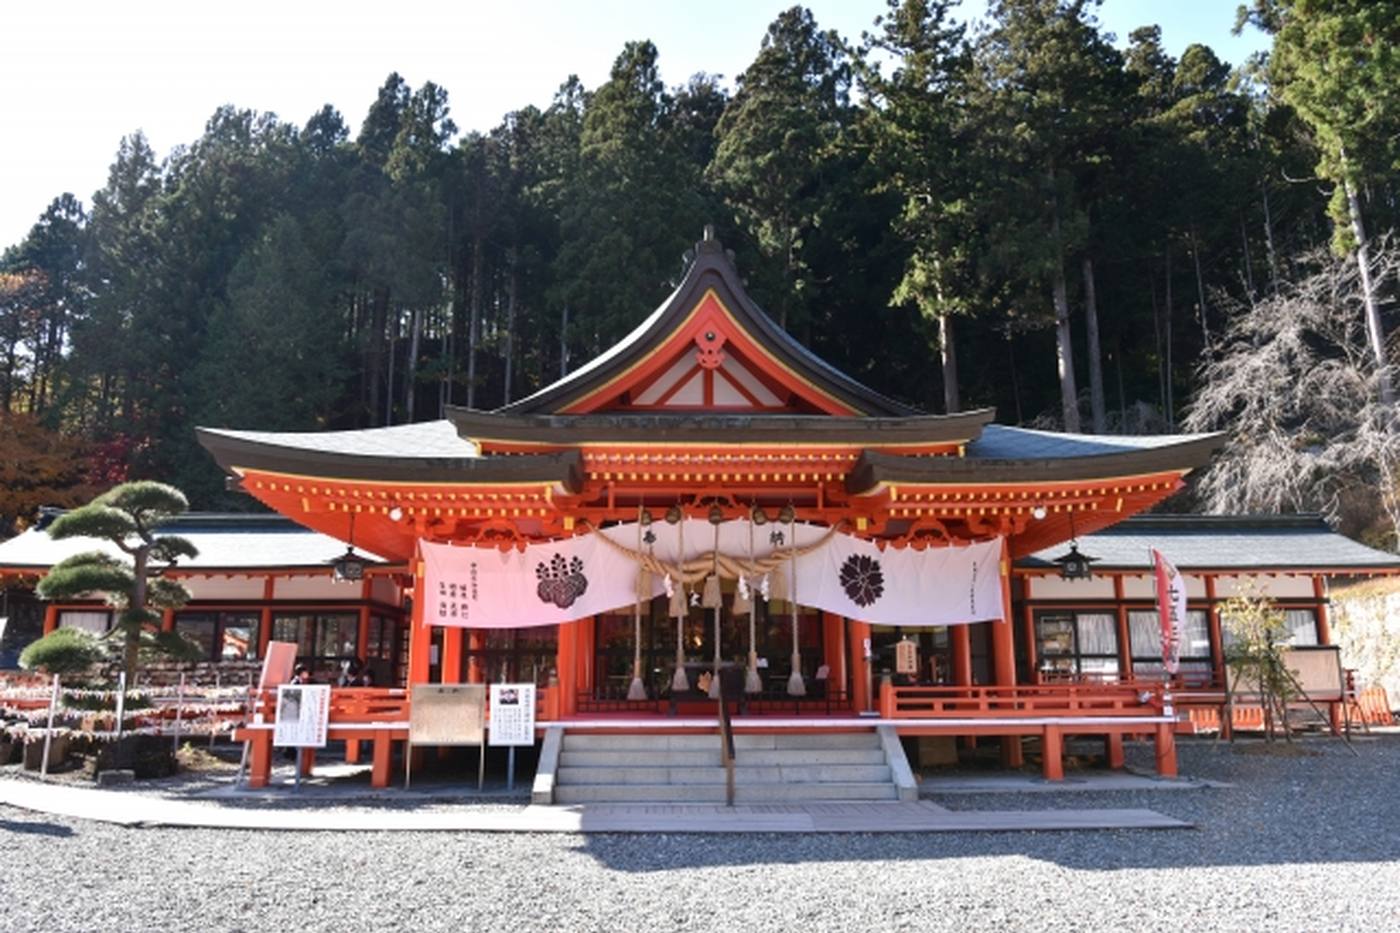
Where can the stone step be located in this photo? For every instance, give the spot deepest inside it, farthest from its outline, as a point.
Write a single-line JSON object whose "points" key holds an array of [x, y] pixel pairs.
{"points": [[634, 758], [812, 774], [639, 793], [679, 776], [788, 793], [602, 741], [788, 740], [809, 756]]}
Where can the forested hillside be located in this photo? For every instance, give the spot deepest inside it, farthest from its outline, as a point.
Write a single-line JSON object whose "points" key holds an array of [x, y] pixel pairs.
{"points": [[1013, 213]]}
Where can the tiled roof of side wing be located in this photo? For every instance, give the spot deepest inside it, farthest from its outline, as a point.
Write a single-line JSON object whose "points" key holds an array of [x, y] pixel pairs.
{"points": [[422, 440], [224, 542], [1001, 442], [1224, 542]]}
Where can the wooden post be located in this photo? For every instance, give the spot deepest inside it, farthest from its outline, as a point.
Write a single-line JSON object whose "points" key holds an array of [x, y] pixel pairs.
{"points": [[857, 633], [362, 636], [476, 641], [419, 637], [1166, 751], [586, 630], [1217, 635], [887, 708], [167, 620], [1113, 750], [1032, 654], [1053, 743], [1004, 655], [567, 667], [960, 641], [265, 618], [833, 653], [1125, 635], [451, 668], [50, 617]]}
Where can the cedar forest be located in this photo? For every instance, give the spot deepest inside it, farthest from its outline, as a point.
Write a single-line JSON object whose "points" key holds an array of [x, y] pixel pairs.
{"points": [[1012, 213]]}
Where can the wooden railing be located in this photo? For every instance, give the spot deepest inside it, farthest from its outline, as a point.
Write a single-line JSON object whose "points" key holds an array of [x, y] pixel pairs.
{"points": [[1021, 701]]}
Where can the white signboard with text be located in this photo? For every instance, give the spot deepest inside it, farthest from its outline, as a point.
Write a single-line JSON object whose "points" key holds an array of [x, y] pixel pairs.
{"points": [[512, 714], [303, 712]]}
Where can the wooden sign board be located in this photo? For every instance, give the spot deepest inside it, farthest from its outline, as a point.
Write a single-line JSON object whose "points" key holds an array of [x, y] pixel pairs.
{"points": [[447, 714], [278, 664], [1318, 670], [906, 656]]}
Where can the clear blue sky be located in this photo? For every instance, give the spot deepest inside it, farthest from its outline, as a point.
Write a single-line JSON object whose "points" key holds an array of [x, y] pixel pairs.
{"points": [[78, 75]]}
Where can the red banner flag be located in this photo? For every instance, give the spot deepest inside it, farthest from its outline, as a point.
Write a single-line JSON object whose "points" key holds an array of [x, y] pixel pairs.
{"points": [[1171, 608]]}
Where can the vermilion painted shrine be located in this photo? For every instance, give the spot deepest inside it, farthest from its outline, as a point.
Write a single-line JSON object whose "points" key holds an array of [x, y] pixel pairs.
{"points": [[710, 418]]}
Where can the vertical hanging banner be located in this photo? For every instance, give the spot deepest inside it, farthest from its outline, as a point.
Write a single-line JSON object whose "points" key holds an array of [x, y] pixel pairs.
{"points": [[553, 582], [1171, 609]]}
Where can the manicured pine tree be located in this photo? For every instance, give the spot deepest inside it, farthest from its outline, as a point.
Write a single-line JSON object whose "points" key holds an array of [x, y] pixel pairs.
{"points": [[128, 517]]}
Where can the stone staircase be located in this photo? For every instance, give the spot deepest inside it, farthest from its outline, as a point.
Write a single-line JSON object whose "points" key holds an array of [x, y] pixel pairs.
{"points": [[783, 767]]}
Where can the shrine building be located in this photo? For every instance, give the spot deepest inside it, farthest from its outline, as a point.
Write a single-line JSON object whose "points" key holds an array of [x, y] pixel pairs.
{"points": [[708, 500]]}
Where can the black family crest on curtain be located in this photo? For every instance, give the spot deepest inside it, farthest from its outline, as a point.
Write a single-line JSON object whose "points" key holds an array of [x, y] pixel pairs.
{"points": [[561, 581], [862, 579]]}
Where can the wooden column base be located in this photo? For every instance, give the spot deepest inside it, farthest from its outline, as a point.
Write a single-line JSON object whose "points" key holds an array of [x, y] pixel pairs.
{"points": [[1166, 751], [1054, 754], [1113, 751]]}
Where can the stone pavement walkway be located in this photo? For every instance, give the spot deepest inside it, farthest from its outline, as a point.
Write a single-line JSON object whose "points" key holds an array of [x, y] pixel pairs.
{"points": [[135, 809]]}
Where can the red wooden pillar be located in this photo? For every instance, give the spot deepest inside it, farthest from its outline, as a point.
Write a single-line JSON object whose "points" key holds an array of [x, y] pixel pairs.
{"points": [[50, 617], [362, 636], [167, 620], [960, 640], [833, 653], [1053, 757], [583, 654], [857, 635], [476, 641], [451, 655], [1028, 620], [265, 618], [419, 637], [566, 662], [1217, 636], [1004, 655], [1125, 638]]}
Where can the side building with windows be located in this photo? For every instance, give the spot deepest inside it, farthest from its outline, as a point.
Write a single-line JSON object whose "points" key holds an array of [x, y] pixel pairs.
{"points": [[257, 578]]}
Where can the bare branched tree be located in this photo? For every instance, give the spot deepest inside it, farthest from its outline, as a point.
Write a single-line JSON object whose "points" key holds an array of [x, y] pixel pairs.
{"points": [[1295, 385]]}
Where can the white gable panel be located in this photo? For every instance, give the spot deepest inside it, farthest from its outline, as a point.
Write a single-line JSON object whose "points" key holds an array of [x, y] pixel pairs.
{"points": [[690, 394], [740, 374], [727, 395], [667, 379]]}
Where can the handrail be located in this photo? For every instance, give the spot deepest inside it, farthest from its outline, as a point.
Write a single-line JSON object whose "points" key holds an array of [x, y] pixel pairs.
{"points": [[726, 737]]}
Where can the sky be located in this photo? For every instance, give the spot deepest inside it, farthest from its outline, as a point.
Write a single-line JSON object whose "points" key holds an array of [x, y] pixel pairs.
{"points": [[80, 74]]}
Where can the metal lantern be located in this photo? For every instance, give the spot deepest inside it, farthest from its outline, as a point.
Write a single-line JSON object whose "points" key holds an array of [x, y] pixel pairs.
{"points": [[348, 567], [1074, 565]]}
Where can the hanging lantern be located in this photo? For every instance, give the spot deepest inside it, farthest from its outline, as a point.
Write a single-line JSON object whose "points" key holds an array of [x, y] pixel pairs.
{"points": [[1074, 565], [348, 567], [758, 516], [716, 514]]}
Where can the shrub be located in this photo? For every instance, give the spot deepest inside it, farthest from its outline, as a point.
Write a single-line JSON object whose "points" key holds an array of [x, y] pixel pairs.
{"points": [[63, 651]]}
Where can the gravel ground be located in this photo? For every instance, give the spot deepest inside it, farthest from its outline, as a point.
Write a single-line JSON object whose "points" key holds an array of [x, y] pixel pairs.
{"points": [[1299, 843]]}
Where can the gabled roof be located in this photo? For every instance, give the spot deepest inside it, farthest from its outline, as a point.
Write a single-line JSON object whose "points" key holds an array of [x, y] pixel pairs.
{"points": [[1225, 542], [711, 285]]}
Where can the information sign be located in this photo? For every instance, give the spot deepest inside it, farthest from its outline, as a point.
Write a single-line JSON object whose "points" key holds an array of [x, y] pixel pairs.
{"points": [[512, 714], [447, 714], [303, 711]]}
